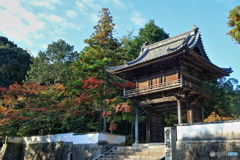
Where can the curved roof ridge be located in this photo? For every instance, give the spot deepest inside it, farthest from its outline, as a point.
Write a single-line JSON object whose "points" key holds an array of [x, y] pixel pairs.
{"points": [[145, 51], [188, 40], [194, 40], [171, 39]]}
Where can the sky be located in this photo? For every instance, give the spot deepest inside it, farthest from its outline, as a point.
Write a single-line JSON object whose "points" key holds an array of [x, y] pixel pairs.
{"points": [[33, 24]]}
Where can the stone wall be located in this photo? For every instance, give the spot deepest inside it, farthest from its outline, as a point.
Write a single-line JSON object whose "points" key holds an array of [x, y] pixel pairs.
{"points": [[207, 150], [11, 151], [59, 146], [51, 151], [208, 141], [60, 151]]}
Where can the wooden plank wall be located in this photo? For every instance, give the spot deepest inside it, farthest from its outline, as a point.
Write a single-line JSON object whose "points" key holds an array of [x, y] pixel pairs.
{"points": [[197, 114], [172, 77], [157, 79]]}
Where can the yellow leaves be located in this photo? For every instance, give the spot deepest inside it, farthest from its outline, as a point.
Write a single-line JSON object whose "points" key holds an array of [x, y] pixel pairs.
{"points": [[215, 117], [234, 21], [59, 86], [21, 98]]}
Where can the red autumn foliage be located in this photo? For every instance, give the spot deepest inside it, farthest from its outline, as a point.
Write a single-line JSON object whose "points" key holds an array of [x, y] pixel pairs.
{"points": [[123, 107], [121, 86], [77, 112], [2, 122], [41, 109], [23, 118], [106, 114], [109, 100], [92, 83], [113, 127]]}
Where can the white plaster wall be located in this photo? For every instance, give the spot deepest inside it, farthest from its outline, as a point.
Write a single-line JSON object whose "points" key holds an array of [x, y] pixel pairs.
{"points": [[112, 139], [14, 140], [65, 137], [90, 138], [209, 131]]}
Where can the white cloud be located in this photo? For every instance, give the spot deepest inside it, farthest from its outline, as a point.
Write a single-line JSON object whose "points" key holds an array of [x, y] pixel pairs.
{"points": [[226, 2], [44, 46], [17, 22], [91, 4], [38, 36], [85, 5], [93, 17], [71, 14], [55, 19], [81, 7], [138, 19], [118, 4], [49, 4], [58, 25]]}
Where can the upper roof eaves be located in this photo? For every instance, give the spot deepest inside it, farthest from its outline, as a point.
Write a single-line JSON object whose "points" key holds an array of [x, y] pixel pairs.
{"points": [[166, 47]]}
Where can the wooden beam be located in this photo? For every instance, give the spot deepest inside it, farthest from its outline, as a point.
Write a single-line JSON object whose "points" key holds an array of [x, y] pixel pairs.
{"points": [[190, 113], [158, 100], [179, 111], [202, 109], [163, 106], [136, 125]]}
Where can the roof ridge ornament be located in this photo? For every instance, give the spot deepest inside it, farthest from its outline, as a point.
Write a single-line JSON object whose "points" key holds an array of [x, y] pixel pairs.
{"points": [[142, 48], [195, 28]]}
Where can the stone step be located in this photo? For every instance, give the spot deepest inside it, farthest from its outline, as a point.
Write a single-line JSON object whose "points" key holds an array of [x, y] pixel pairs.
{"points": [[147, 144], [136, 153], [137, 150], [152, 151], [143, 147], [126, 159], [132, 156]]}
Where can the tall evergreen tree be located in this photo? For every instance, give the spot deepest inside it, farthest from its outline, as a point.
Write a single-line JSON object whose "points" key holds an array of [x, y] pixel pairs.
{"points": [[226, 102], [14, 62], [151, 33], [52, 66], [102, 50]]}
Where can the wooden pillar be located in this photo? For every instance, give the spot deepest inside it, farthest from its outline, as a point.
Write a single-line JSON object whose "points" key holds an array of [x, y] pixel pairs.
{"points": [[202, 108], [148, 115], [181, 79], [190, 113], [179, 111], [136, 124]]}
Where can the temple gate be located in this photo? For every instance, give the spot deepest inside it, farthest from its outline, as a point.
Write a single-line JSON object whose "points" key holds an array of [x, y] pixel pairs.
{"points": [[169, 76]]}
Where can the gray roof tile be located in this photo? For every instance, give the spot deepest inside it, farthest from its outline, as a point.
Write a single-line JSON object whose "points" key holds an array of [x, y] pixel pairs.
{"points": [[165, 47]]}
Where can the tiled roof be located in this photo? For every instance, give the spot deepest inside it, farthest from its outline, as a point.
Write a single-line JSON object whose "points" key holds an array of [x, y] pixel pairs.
{"points": [[199, 123], [167, 47]]}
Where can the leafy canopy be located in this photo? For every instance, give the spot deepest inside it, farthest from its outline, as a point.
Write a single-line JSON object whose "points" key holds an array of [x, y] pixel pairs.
{"points": [[151, 33], [14, 63], [52, 65], [102, 50], [234, 23]]}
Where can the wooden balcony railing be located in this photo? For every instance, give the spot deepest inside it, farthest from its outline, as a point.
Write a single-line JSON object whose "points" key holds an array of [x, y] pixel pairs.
{"points": [[196, 87], [160, 86], [164, 86]]}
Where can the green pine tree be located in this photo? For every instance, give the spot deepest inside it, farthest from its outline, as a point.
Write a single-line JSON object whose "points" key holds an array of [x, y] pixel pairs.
{"points": [[14, 63], [53, 65]]}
